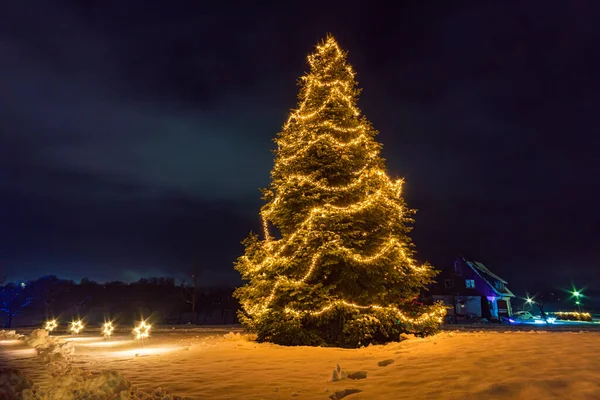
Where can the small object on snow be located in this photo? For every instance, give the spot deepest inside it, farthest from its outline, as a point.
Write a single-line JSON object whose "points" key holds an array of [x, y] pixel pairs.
{"points": [[338, 374], [385, 363], [276, 389], [343, 393], [295, 394], [358, 375]]}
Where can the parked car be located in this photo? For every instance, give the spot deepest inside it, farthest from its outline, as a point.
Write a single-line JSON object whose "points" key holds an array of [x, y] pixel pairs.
{"points": [[522, 315]]}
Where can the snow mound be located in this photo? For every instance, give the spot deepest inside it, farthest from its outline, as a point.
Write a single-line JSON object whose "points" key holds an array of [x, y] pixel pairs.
{"points": [[69, 383], [10, 335], [234, 337], [39, 337], [78, 385], [404, 336], [55, 351], [105, 385], [13, 383]]}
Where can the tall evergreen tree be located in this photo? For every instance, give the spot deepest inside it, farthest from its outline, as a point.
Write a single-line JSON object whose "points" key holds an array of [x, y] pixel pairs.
{"points": [[339, 269]]}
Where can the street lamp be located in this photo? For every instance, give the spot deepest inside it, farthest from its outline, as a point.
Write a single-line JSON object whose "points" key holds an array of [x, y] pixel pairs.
{"points": [[529, 301], [577, 294]]}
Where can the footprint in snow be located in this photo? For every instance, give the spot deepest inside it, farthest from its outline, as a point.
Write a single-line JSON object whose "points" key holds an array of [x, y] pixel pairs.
{"points": [[358, 375], [343, 393]]}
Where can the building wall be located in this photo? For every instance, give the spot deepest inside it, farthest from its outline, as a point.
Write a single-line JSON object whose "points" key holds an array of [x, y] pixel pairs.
{"points": [[458, 275], [463, 305], [452, 282]]}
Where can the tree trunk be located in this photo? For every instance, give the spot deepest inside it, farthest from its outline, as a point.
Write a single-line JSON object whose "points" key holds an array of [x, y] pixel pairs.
{"points": [[8, 321]]}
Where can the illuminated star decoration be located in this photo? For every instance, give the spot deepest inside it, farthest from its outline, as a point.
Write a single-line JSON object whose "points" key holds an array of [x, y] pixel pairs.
{"points": [[76, 326], [142, 331], [51, 325], [108, 328]]}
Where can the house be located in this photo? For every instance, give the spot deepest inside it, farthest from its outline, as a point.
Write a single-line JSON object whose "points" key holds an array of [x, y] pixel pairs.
{"points": [[473, 290]]}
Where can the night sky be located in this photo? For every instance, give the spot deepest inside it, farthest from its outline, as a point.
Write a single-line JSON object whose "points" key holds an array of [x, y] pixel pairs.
{"points": [[134, 135]]}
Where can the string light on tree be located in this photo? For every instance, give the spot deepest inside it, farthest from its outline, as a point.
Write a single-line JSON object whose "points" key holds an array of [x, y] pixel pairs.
{"points": [[76, 327], [51, 325], [336, 264]]}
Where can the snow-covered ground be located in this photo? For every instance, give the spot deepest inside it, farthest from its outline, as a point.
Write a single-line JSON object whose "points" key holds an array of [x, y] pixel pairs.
{"points": [[201, 364]]}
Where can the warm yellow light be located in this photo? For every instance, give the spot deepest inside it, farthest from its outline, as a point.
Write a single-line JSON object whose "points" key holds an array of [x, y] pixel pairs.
{"points": [[142, 331], [51, 325], [582, 314], [323, 137], [108, 328], [76, 326], [436, 315], [327, 118]]}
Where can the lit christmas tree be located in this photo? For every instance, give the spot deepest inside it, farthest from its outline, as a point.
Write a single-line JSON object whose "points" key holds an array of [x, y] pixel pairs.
{"points": [[339, 269]]}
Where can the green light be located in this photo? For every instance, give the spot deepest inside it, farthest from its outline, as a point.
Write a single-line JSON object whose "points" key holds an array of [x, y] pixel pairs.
{"points": [[576, 293], [577, 302]]}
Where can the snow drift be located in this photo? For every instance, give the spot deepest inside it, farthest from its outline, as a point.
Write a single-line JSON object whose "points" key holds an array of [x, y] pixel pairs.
{"points": [[68, 383]]}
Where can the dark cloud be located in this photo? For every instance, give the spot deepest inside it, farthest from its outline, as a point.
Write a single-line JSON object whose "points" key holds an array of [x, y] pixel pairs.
{"points": [[135, 135]]}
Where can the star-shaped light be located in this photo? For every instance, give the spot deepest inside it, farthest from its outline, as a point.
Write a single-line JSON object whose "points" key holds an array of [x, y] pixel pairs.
{"points": [[51, 325], [108, 328], [76, 326], [142, 331]]}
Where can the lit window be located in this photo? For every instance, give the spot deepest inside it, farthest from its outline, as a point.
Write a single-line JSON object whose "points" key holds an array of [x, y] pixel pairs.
{"points": [[470, 283], [499, 285]]}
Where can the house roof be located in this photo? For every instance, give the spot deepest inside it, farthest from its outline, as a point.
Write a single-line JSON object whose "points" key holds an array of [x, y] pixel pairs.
{"points": [[485, 270], [488, 277]]}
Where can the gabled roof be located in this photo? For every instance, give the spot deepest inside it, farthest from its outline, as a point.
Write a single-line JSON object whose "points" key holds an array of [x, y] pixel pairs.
{"points": [[485, 270], [488, 277]]}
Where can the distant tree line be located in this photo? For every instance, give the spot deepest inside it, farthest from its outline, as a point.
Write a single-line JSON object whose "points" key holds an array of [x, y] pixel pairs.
{"points": [[162, 300]]}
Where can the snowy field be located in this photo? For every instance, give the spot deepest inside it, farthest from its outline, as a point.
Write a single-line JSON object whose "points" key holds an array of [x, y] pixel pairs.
{"points": [[214, 364]]}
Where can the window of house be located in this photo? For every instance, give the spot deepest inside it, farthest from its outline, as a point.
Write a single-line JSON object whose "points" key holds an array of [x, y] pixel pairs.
{"points": [[470, 283], [457, 268], [499, 285], [448, 283]]}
